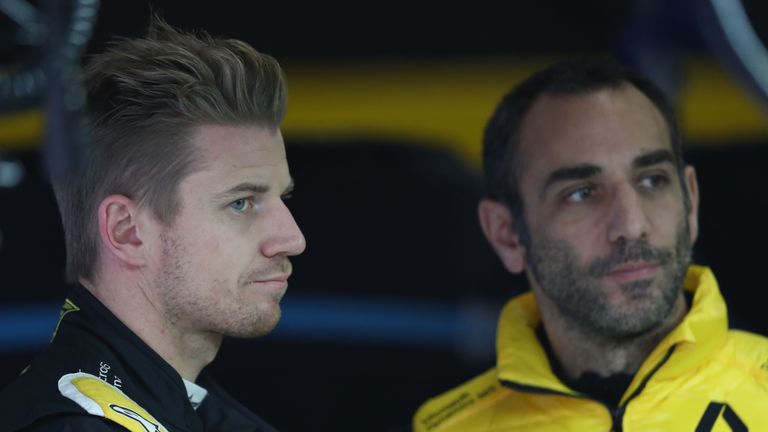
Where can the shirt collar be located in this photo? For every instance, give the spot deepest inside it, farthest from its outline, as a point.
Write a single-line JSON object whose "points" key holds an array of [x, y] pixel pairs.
{"points": [[195, 393]]}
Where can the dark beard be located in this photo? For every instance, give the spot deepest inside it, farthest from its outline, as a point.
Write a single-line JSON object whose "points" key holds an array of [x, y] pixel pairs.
{"points": [[576, 292]]}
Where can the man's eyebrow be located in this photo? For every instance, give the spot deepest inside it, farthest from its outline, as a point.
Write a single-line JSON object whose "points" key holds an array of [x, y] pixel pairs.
{"points": [[576, 172], [653, 158], [253, 188]]}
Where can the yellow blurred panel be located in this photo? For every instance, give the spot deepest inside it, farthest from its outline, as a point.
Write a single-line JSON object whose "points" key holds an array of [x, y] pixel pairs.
{"points": [[445, 103], [21, 130], [716, 110], [440, 103]]}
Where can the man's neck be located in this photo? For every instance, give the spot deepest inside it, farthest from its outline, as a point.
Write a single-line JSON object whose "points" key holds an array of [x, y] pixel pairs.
{"points": [[580, 351], [608, 390], [188, 352]]}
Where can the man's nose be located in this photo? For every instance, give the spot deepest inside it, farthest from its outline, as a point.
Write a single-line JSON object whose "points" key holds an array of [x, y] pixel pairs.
{"points": [[285, 237], [628, 220]]}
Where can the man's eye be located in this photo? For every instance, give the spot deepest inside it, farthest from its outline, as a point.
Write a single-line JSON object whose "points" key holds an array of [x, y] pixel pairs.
{"points": [[579, 194], [654, 181], [241, 205]]}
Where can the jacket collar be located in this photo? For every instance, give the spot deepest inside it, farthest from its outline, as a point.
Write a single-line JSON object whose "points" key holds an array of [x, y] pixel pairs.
{"points": [[522, 360], [145, 376]]}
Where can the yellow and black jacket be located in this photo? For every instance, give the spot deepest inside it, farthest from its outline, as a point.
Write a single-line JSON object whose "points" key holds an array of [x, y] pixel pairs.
{"points": [[98, 376], [702, 377]]}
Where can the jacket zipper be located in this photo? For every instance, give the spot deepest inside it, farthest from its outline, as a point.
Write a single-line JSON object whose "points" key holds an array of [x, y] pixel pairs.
{"points": [[616, 412], [617, 418]]}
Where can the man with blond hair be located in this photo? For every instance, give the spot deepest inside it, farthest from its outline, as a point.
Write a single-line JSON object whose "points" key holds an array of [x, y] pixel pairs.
{"points": [[177, 235]]}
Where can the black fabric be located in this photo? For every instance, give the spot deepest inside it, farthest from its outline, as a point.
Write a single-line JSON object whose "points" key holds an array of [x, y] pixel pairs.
{"points": [[74, 423], [92, 340], [607, 390]]}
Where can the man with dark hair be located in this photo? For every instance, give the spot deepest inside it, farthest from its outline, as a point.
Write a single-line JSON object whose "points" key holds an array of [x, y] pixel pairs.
{"points": [[177, 235], [589, 195]]}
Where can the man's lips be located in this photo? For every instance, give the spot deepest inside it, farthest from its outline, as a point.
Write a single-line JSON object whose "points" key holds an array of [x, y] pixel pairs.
{"points": [[633, 271], [278, 281]]}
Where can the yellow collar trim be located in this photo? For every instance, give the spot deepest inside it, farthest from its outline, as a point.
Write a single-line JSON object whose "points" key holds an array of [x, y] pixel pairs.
{"points": [[522, 360]]}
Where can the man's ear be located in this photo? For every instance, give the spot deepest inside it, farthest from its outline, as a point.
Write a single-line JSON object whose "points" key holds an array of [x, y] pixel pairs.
{"points": [[499, 228], [693, 194], [119, 230]]}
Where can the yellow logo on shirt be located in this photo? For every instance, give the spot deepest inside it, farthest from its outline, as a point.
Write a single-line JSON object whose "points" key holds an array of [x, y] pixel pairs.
{"points": [[105, 400], [65, 309]]}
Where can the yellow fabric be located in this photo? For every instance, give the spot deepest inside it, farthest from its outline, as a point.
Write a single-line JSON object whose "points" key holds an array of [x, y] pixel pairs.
{"points": [[102, 399], [709, 367]]}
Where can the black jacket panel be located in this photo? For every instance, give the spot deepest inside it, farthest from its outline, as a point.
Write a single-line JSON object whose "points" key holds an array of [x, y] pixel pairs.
{"points": [[90, 339]]}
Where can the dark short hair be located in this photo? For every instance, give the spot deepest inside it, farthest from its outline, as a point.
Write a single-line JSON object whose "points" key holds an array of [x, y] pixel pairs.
{"points": [[146, 97], [569, 77]]}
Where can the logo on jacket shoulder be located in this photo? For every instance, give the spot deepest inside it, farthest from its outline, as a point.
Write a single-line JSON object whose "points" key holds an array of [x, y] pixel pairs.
{"points": [[102, 399], [717, 410], [433, 419], [66, 308], [131, 414]]}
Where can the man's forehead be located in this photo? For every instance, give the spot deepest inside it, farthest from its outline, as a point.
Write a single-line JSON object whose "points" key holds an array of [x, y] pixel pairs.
{"points": [[230, 155], [215, 141], [606, 125]]}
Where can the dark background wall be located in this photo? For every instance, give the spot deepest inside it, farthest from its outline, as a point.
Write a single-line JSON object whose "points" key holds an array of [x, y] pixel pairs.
{"points": [[396, 297]]}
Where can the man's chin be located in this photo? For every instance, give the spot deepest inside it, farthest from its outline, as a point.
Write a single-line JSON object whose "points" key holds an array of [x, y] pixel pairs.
{"points": [[640, 317], [620, 300], [262, 326]]}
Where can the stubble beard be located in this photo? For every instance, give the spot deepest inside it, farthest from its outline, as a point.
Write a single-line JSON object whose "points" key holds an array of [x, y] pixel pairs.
{"points": [[577, 292], [190, 306]]}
